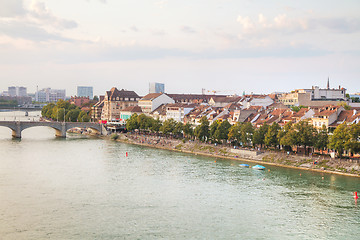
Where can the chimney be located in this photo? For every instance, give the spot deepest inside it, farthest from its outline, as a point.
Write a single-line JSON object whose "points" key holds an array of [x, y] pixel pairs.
{"points": [[354, 112]]}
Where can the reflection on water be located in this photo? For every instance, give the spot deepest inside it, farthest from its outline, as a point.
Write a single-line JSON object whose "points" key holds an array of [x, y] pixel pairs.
{"points": [[81, 188]]}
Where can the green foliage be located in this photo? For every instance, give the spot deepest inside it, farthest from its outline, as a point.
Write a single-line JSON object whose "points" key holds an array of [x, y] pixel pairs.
{"points": [[222, 131], [340, 137], [322, 138], [155, 125], [271, 139], [168, 126], [83, 117], [8, 103], [72, 115], [202, 130], [235, 133], [297, 108], [213, 127], [95, 98], [305, 134], [188, 130], [354, 144], [247, 131], [259, 134], [144, 121], [72, 112], [178, 129], [132, 122], [345, 106]]}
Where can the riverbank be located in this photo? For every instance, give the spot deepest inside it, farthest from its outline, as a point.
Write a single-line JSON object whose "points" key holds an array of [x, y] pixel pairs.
{"points": [[265, 157]]}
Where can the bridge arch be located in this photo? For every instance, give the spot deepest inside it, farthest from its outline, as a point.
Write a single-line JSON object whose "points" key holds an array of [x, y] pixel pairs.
{"points": [[60, 127]]}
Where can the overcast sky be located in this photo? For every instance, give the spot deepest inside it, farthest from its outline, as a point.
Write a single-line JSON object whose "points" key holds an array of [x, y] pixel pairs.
{"points": [[229, 46]]}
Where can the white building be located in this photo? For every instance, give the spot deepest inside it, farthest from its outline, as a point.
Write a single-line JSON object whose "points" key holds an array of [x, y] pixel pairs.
{"points": [[152, 101], [50, 95], [177, 111]]}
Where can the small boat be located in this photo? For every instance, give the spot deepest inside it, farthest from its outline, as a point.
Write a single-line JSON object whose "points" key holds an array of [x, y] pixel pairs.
{"points": [[244, 165], [258, 167]]}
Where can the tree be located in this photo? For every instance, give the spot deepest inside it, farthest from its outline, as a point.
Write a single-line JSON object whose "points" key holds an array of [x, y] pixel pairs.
{"points": [[305, 134], [340, 137], [259, 135], [247, 131], [354, 144], [156, 125], [188, 130], [271, 135], [95, 98], [168, 126], [202, 130], [235, 133], [178, 129], [83, 117], [144, 122], [222, 131], [72, 115], [322, 138], [132, 122], [212, 129], [286, 136]]}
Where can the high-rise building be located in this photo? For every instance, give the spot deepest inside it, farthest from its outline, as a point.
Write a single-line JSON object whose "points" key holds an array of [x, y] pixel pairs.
{"points": [[50, 95], [155, 87], [17, 91], [83, 91]]}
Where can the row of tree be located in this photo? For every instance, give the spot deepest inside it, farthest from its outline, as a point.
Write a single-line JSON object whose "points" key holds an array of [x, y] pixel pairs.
{"points": [[302, 134], [64, 110]]}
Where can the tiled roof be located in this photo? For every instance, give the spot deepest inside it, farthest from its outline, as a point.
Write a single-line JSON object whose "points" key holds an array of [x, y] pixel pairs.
{"points": [[226, 99], [135, 109], [114, 92], [151, 96]]}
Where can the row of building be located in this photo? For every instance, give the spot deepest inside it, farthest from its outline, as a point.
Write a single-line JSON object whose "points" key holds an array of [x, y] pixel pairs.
{"points": [[44, 95], [322, 107]]}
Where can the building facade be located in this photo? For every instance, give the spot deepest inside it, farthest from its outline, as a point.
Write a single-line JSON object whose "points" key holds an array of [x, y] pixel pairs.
{"points": [[50, 95], [155, 87], [152, 101], [83, 91], [115, 101]]}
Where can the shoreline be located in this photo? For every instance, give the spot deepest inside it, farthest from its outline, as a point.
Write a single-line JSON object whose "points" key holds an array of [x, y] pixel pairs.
{"points": [[123, 138]]}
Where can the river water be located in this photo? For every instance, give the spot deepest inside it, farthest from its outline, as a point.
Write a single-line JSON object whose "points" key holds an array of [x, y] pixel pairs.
{"points": [[86, 188]]}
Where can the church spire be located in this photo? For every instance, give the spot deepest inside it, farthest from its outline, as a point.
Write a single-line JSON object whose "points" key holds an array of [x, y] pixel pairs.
{"points": [[328, 84]]}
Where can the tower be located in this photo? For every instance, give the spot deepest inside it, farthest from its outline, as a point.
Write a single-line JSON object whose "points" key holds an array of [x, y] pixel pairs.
{"points": [[328, 84]]}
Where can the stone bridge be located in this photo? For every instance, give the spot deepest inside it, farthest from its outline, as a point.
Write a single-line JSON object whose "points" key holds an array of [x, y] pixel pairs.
{"points": [[60, 127]]}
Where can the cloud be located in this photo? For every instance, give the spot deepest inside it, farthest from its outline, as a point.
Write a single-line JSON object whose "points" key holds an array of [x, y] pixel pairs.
{"points": [[282, 23], [161, 4], [341, 25], [16, 29], [12, 8], [36, 23], [246, 23], [187, 29], [40, 12]]}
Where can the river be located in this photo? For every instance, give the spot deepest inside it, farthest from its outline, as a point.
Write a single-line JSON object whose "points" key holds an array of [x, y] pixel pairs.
{"points": [[86, 188]]}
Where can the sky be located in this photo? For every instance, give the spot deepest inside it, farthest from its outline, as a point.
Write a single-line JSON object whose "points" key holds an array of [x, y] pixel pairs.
{"points": [[227, 46]]}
